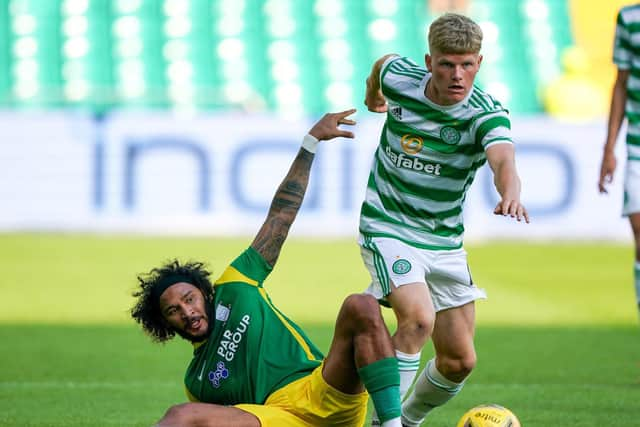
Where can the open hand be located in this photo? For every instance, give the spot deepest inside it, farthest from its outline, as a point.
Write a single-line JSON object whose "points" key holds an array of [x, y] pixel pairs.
{"points": [[512, 208], [327, 127]]}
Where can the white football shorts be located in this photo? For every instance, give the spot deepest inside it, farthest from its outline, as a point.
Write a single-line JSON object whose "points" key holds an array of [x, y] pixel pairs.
{"points": [[392, 262], [631, 203]]}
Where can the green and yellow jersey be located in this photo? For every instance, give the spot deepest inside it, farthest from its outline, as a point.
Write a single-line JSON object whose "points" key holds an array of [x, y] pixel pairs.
{"points": [[253, 349]]}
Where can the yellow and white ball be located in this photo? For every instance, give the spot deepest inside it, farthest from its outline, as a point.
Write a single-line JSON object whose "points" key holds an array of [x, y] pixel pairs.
{"points": [[489, 415]]}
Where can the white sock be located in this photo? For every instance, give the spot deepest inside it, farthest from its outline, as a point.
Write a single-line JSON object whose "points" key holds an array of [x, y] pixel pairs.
{"points": [[392, 423], [431, 390], [408, 365]]}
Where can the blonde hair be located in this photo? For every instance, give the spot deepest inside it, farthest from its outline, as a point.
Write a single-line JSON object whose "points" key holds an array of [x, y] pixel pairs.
{"points": [[454, 33]]}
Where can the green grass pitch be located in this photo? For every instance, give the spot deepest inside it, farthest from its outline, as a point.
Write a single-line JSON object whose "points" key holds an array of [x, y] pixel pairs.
{"points": [[558, 339]]}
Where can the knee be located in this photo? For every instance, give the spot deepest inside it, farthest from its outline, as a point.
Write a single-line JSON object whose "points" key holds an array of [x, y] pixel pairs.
{"points": [[417, 322], [363, 311], [457, 368], [177, 415]]}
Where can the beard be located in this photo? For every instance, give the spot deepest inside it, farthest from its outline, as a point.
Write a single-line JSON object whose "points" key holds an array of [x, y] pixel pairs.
{"points": [[195, 338]]}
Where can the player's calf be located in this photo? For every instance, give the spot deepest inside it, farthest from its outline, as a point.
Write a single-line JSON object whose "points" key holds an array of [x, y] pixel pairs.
{"points": [[432, 389]]}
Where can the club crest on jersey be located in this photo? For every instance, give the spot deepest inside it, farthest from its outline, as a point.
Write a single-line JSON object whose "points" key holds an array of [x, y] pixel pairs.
{"points": [[411, 144], [222, 313], [401, 266], [450, 135], [396, 112], [221, 373]]}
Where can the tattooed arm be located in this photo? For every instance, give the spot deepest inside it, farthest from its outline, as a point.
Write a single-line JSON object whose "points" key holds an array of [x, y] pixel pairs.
{"points": [[290, 193]]}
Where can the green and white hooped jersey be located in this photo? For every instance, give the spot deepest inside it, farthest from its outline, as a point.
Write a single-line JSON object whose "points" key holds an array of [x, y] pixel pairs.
{"points": [[626, 57], [253, 349], [427, 159]]}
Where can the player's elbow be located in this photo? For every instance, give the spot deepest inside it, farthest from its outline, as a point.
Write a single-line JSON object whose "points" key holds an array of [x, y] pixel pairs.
{"points": [[377, 66]]}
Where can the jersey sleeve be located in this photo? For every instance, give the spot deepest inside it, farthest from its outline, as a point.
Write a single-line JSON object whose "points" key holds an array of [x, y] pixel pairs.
{"points": [[385, 68], [622, 51], [493, 128], [250, 267], [397, 72]]}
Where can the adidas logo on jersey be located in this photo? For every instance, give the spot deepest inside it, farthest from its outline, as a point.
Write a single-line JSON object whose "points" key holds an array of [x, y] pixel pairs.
{"points": [[396, 112]]}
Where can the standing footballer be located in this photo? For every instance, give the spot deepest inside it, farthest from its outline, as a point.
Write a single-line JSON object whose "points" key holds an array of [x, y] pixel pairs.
{"points": [[625, 103], [439, 130]]}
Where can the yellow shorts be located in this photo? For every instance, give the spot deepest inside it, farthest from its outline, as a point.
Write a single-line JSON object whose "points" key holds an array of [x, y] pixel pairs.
{"points": [[310, 402]]}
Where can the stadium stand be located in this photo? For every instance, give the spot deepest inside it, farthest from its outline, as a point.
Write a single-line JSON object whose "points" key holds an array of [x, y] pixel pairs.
{"points": [[591, 21], [291, 56]]}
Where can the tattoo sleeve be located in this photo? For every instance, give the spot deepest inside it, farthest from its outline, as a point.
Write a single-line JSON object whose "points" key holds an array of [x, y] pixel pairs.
{"points": [[284, 208]]}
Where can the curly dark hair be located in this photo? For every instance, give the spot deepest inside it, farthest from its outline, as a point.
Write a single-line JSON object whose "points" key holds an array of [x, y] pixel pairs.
{"points": [[146, 310]]}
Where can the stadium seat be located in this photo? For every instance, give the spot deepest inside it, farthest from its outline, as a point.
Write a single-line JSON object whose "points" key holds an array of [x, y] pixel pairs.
{"points": [[288, 56]]}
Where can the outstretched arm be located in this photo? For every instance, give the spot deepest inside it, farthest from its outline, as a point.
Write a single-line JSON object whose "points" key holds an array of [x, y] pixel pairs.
{"points": [[290, 193], [616, 116], [501, 158]]}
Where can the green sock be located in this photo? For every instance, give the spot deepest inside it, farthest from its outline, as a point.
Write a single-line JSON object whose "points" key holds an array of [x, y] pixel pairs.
{"points": [[382, 380]]}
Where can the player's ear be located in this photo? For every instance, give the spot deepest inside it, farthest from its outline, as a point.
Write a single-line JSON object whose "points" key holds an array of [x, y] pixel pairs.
{"points": [[480, 59], [427, 61]]}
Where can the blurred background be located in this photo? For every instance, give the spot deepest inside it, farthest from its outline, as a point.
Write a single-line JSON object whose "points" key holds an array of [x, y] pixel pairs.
{"points": [[285, 56], [180, 116]]}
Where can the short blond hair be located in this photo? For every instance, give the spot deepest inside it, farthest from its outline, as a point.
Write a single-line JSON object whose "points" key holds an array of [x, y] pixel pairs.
{"points": [[454, 33]]}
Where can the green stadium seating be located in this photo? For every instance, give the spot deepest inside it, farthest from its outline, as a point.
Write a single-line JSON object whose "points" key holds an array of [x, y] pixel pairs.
{"points": [[5, 56], [292, 56]]}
